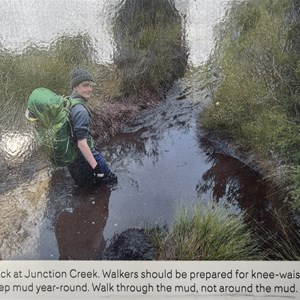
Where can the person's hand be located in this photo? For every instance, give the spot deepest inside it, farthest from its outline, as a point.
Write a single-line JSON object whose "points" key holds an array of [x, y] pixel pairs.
{"points": [[97, 172]]}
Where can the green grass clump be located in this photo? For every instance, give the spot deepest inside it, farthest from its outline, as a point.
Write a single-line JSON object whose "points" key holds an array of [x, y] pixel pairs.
{"points": [[205, 232], [282, 241]]}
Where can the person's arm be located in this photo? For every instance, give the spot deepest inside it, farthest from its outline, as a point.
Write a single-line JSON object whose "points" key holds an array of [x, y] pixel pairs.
{"points": [[80, 120], [86, 152]]}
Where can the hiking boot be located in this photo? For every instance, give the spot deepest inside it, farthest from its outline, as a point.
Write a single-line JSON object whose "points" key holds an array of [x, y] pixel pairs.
{"points": [[110, 178]]}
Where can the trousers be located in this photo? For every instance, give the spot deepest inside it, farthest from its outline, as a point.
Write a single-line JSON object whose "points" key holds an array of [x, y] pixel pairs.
{"points": [[82, 173]]}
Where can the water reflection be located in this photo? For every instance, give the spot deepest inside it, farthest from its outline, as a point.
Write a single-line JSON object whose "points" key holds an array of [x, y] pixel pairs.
{"points": [[14, 146], [22, 210], [229, 180], [74, 220], [79, 233], [143, 137]]}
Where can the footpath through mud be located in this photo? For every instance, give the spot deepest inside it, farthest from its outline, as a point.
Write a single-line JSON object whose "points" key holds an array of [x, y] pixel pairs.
{"points": [[161, 162]]}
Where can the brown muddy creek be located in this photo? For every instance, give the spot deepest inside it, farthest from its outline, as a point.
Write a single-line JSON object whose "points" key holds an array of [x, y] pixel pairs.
{"points": [[161, 161]]}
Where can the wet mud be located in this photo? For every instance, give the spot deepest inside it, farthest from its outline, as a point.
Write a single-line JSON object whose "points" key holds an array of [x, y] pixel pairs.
{"points": [[132, 244]]}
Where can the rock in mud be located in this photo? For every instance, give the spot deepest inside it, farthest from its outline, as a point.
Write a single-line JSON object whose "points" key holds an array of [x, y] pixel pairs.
{"points": [[132, 244]]}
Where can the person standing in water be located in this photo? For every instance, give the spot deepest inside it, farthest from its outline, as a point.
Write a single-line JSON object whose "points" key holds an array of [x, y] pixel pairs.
{"points": [[90, 168]]}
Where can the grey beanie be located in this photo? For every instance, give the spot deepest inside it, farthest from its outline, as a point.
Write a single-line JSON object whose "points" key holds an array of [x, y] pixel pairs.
{"points": [[79, 75]]}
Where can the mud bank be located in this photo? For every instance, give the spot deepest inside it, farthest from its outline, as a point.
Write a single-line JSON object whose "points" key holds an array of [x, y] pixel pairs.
{"points": [[109, 117], [132, 244]]}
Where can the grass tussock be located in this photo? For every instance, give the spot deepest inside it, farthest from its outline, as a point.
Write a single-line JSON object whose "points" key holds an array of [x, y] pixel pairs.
{"points": [[205, 232], [282, 241], [286, 247]]}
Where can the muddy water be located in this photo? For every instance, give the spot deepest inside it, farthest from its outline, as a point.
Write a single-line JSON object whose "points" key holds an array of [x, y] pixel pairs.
{"points": [[161, 163]]}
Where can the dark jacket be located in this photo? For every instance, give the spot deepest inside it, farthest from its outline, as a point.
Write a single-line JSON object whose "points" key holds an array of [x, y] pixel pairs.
{"points": [[80, 118]]}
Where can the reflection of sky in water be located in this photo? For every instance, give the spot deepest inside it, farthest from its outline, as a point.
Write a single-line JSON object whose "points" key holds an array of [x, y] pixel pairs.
{"points": [[42, 21], [15, 145]]}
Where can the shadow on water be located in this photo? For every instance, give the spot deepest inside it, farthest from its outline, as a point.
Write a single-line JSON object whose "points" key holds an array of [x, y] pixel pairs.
{"points": [[79, 233], [229, 178], [243, 189]]}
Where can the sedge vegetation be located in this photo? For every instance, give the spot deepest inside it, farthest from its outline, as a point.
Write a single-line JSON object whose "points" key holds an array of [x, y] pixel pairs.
{"points": [[257, 98], [206, 232]]}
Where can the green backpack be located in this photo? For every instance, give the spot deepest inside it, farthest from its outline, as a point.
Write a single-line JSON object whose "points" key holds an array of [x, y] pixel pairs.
{"points": [[50, 113]]}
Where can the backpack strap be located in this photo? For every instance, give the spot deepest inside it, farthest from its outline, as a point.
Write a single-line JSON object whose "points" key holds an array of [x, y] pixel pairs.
{"points": [[75, 101]]}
